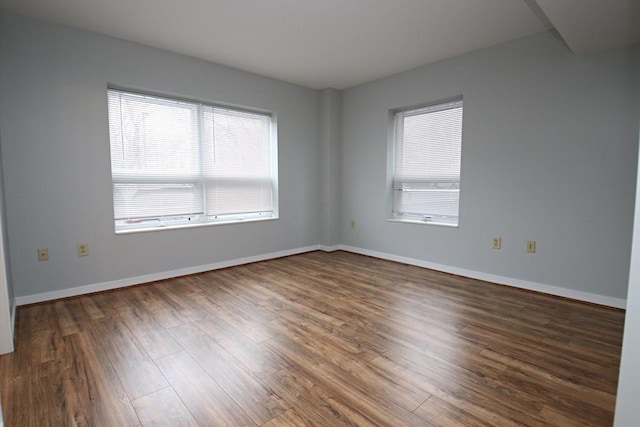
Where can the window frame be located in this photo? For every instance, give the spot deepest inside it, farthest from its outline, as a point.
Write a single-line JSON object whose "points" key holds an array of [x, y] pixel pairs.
{"points": [[199, 179], [392, 137]]}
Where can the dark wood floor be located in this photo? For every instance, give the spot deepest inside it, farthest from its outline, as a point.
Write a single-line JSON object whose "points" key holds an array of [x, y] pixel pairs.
{"points": [[323, 339]]}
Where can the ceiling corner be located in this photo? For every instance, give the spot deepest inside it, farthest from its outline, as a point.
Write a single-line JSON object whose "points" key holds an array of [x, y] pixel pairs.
{"points": [[589, 26]]}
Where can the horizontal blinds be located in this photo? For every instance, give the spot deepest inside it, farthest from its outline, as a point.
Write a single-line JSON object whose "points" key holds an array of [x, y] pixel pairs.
{"points": [[173, 160], [237, 162], [154, 157], [428, 145]]}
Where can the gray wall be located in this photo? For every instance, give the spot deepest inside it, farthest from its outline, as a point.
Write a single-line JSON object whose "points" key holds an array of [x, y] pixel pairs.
{"points": [[549, 154], [330, 196], [550, 144], [55, 147]]}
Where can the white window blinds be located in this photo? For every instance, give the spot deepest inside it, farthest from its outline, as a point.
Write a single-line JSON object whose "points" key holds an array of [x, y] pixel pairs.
{"points": [[428, 145], [175, 162]]}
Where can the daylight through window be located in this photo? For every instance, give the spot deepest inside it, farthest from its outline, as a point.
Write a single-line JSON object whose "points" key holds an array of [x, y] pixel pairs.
{"points": [[179, 163], [427, 150]]}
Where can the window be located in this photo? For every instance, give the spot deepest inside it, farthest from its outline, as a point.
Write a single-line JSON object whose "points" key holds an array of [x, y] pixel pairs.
{"points": [[177, 163], [427, 150]]}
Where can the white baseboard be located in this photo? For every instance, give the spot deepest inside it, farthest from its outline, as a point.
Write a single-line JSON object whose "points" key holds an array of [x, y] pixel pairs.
{"points": [[330, 248], [493, 278], [105, 286], [508, 281]]}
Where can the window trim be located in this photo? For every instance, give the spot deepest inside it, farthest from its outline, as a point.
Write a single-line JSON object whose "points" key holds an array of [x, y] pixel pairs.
{"points": [[198, 219], [431, 107], [193, 225]]}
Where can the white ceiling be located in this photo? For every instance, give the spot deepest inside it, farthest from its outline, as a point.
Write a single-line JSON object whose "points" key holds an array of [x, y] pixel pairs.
{"points": [[589, 26], [339, 43]]}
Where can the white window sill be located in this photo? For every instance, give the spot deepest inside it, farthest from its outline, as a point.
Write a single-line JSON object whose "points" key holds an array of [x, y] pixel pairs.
{"points": [[200, 224], [414, 221]]}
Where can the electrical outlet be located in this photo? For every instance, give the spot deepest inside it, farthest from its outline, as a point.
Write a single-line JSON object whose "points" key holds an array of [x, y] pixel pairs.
{"points": [[353, 224], [531, 246], [496, 243], [43, 254], [83, 249]]}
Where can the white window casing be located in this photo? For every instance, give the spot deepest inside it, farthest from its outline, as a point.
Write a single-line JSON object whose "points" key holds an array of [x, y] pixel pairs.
{"points": [[179, 163], [426, 167]]}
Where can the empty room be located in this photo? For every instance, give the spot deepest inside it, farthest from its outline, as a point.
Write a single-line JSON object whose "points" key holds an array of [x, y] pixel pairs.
{"points": [[319, 213]]}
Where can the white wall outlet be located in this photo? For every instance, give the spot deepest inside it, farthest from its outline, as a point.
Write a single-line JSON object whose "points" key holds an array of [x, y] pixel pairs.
{"points": [[531, 246], [43, 254], [496, 243], [83, 249]]}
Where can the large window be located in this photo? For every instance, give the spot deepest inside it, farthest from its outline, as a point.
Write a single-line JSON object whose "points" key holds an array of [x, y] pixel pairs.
{"points": [[427, 150], [178, 163]]}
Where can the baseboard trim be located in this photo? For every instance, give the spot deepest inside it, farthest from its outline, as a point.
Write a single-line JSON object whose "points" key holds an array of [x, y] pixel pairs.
{"points": [[330, 248], [115, 284], [493, 278], [501, 280]]}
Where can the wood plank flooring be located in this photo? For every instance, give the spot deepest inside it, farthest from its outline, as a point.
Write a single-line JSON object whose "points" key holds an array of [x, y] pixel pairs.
{"points": [[325, 339]]}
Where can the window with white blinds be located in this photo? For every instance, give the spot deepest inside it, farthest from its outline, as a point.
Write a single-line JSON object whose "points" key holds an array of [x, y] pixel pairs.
{"points": [[178, 163], [426, 180]]}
